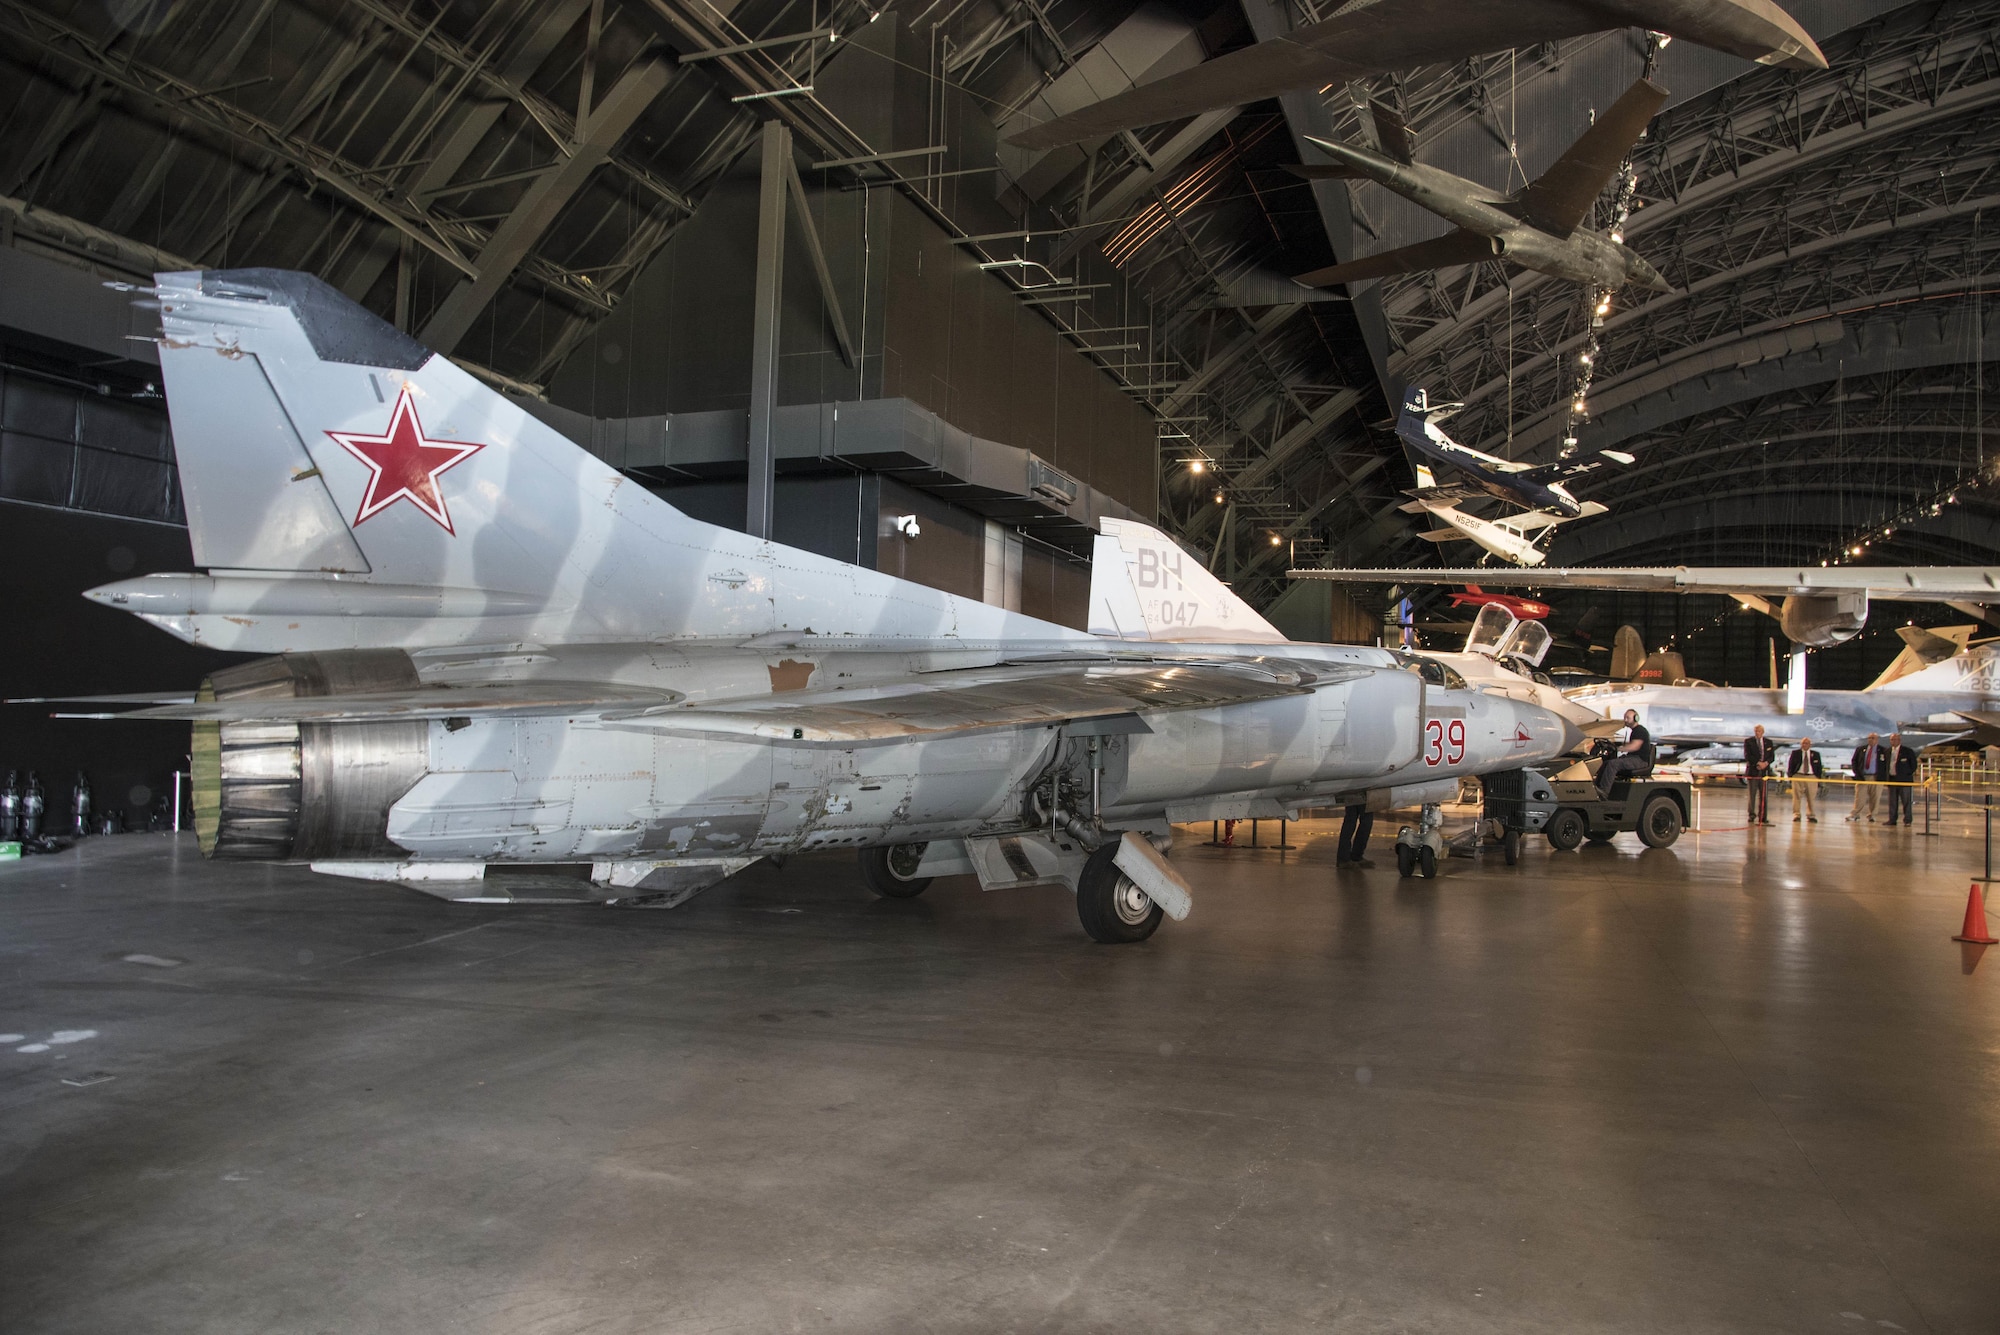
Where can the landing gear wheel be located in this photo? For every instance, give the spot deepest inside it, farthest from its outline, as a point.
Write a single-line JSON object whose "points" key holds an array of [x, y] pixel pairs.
{"points": [[1660, 823], [1510, 846], [892, 872], [1406, 860], [1113, 910], [1427, 859], [1566, 829]]}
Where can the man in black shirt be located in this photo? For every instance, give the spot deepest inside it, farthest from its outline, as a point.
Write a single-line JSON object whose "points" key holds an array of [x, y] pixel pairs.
{"points": [[1634, 756]]}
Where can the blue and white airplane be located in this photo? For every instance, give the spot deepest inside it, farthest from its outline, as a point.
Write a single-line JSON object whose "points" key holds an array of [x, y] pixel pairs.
{"points": [[1532, 486]]}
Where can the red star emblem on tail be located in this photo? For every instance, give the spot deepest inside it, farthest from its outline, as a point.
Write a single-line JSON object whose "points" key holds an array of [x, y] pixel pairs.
{"points": [[403, 464]]}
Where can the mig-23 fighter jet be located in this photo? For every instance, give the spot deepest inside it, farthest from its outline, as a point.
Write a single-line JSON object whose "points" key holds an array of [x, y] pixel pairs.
{"points": [[486, 646]]}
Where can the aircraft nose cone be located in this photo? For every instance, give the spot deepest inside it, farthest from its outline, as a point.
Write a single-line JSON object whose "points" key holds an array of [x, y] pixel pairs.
{"points": [[1645, 275], [1573, 737]]}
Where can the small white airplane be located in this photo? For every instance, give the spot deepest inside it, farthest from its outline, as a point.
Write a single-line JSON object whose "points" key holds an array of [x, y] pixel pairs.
{"points": [[1512, 538]]}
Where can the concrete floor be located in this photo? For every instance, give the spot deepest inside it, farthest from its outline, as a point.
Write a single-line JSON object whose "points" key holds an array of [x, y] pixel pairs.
{"points": [[1746, 1084]]}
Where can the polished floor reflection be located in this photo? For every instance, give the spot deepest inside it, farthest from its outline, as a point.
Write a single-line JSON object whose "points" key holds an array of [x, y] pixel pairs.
{"points": [[1745, 1084]]}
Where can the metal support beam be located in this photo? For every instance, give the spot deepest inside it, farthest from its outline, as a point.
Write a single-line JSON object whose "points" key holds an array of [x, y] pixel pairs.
{"points": [[543, 201], [808, 233], [767, 319]]}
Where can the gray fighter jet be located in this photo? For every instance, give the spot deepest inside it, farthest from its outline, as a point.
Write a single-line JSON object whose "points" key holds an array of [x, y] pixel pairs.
{"points": [[1379, 36], [487, 647], [1939, 688], [1540, 228]]}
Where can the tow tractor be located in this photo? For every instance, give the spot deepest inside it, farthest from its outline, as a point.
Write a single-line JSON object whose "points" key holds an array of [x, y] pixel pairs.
{"points": [[1560, 801]]}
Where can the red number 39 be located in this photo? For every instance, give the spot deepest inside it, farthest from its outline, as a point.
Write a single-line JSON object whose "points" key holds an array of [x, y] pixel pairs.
{"points": [[1445, 741]]}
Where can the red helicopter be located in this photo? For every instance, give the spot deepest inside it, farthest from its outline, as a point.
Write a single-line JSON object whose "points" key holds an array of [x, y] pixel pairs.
{"points": [[1526, 609]]}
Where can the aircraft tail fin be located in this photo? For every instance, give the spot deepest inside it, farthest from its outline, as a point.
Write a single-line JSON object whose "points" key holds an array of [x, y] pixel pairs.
{"points": [[348, 488], [1924, 649], [1628, 651], [1144, 587]]}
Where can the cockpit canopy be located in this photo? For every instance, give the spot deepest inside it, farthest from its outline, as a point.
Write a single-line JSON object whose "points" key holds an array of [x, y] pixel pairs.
{"points": [[1499, 634]]}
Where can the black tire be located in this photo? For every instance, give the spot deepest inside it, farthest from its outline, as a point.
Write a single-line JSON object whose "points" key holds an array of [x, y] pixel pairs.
{"points": [[1566, 829], [1113, 910], [1510, 846], [1406, 859], [889, 871], [1427, 860], [1660, 822]]}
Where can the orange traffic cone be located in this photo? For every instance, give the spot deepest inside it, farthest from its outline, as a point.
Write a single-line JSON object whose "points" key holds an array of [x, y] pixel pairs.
{"points": [[1975, 920]]}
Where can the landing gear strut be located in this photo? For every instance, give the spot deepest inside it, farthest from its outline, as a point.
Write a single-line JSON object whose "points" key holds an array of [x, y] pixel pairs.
{"points": [[1419, 847]]}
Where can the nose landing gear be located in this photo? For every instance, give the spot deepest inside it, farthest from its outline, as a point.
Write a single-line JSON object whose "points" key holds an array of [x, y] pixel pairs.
{"points": [[1419, 847]]}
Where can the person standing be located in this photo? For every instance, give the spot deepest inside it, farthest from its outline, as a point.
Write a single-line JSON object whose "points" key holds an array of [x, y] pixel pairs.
{"points": [[1355, 827], [1760, 753], [1804, 767], [1902, 774], [1869, 763]]}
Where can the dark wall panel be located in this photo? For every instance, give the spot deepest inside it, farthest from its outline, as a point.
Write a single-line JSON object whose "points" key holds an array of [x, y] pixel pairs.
{"points": [[950, 552], [1054, 588], [62, 642]]}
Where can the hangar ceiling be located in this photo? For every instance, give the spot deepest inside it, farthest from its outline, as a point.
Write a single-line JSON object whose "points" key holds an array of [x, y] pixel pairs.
{"points": [[494, 176]]}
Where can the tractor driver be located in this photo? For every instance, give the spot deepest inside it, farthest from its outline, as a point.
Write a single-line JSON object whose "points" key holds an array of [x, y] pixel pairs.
{"points": [[1633, 756]]}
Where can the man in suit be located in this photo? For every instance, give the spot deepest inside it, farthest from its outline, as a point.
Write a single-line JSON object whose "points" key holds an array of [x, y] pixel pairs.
{"points": [[1870, 765], [1760, 753], [1806, 765], [1902, 775]]}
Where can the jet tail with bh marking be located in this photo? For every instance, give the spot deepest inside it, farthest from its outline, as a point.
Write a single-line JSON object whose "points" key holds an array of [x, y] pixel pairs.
{"points": [[1144, 587], [347, 488]]}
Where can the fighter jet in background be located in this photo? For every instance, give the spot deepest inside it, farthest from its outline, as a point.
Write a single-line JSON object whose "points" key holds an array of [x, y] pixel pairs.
{"points": [[1530, 486], [1940, 688], [1380, 36], [490, 647], [1541, 228]]}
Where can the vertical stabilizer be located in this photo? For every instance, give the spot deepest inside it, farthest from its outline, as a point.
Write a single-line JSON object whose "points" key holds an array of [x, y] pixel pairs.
{"points": [[1144, 587], [346, 487]]}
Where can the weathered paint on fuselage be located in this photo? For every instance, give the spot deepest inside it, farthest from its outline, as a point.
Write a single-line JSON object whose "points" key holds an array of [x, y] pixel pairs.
{"points": [[553, 789]]}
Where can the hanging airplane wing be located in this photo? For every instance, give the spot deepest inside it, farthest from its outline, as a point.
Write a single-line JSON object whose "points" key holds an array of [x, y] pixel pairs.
{"points": [[1457, 247], [1378, 36], [1558, 199]]}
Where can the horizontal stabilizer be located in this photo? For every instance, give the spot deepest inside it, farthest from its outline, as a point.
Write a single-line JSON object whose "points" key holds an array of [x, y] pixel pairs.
{"points": [[1453, 248]]}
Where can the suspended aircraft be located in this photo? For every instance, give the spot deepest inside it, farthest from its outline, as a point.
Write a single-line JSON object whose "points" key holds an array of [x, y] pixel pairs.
{"points": [[1524, 609], [1530, 486], [1941, 687], [1382, 36], [487, 648], [1541, 228], [1512, 538]]}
